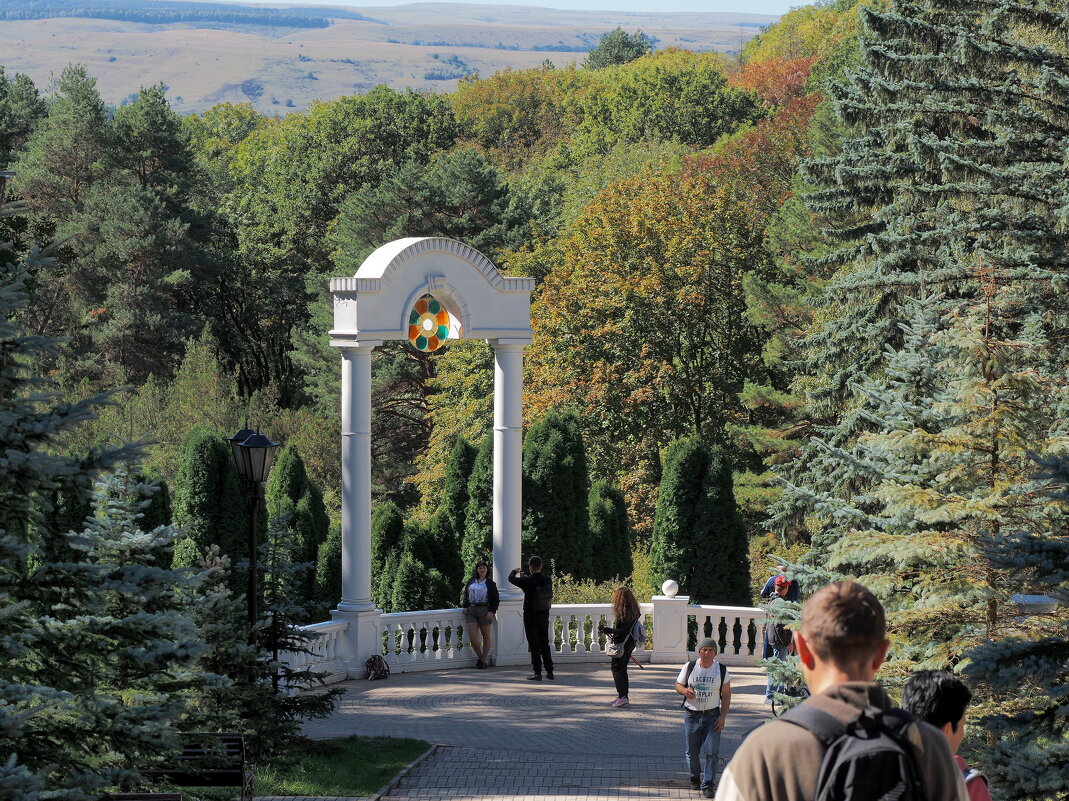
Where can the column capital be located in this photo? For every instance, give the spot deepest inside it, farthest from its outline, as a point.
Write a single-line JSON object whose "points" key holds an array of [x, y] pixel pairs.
{"points": [[351, 342], [510, 343]]}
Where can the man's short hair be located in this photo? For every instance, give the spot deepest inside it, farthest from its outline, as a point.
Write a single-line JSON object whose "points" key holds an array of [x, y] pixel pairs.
{"points": [[936, 697], [843, 623], [535, 563]]}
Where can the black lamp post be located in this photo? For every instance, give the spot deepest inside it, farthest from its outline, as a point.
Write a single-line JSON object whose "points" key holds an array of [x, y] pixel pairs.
{"points": [[254, 455]]}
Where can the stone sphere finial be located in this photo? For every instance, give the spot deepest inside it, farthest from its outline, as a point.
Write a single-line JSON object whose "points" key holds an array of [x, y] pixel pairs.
{"points": [[670, 588]]}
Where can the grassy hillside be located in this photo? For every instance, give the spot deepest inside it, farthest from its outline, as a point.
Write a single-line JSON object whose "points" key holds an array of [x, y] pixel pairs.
{"points": [[423, 46]]}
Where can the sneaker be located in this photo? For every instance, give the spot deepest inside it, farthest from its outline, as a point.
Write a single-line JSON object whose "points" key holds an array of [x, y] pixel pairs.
{"points": [[709, 791], [535, 677], [695, 783], [620, 702], [549, 675]]}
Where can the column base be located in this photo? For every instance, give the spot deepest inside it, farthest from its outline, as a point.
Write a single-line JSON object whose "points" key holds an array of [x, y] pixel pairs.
{"points": [[510, 644], [361, 640]]}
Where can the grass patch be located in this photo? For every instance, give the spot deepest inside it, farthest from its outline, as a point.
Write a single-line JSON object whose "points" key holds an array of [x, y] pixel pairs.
{"points": [[347, 766]]}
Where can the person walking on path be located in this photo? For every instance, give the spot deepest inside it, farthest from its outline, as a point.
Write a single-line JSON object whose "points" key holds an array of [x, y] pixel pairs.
{"points": [[841, 645], [779, 638], [706, 689], [481, 600], [537, 601], [622, 633], [940, 698]]}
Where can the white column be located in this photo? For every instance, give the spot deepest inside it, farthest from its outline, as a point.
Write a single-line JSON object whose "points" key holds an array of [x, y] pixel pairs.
{"points": [[356, 477], [508, 459], [669, 629]]}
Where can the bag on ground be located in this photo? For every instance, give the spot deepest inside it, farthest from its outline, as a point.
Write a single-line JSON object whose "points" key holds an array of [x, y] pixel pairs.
{"points": [[376, 668]]}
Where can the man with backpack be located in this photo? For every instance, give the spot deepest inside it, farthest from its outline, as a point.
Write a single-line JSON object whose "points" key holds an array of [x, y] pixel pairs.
{"points": [[706, 689], [537, 601], [778, 638], [847, 741]]}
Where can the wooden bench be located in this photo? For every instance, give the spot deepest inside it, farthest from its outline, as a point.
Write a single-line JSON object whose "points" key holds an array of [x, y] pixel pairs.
{"points": [[208, 759]]}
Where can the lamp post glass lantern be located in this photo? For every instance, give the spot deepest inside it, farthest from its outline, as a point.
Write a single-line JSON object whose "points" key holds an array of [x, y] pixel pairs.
{"points": [[254, 455]]}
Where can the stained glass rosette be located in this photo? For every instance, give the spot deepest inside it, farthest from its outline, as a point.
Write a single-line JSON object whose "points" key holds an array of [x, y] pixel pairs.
{"points": [[428, 324]]}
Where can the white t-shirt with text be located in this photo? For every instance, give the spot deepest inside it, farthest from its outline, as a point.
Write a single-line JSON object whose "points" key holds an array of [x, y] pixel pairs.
{"points": [[706, 685]]}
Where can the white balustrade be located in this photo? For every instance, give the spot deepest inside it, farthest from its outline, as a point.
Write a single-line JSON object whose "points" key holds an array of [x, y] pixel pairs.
{"points": [[436, 638]]}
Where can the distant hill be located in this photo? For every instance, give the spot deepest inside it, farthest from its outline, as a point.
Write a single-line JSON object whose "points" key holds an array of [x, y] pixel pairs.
{"points": [[282, 58]]}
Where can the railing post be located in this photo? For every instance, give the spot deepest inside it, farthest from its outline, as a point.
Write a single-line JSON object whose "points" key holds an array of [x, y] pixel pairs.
{"points": [[669, 629]]}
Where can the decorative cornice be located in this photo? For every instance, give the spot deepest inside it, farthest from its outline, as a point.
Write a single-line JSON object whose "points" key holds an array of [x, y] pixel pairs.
{"points": [[377, 268]]}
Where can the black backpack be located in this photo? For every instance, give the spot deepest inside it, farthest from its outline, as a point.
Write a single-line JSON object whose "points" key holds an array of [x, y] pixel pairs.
{"points": [[543, 597], [377, 668], [868, 758]]}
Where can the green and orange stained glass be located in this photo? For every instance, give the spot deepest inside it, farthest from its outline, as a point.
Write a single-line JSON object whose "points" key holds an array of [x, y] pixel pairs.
{"points": [[428, 324]]}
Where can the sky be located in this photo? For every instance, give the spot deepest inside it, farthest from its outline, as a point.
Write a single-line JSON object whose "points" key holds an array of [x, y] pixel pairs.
{"points": [[743, 6]]}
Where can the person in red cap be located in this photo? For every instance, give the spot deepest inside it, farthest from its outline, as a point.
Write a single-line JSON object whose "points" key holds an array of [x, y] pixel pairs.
{"points": [[779, 638]]}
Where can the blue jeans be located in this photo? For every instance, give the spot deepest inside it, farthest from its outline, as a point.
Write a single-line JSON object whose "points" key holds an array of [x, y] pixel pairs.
{"points": [[770, 688], [703, 744]]}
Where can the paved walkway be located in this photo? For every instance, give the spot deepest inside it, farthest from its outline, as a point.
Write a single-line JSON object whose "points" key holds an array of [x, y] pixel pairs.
{"points": [[503, 737]]}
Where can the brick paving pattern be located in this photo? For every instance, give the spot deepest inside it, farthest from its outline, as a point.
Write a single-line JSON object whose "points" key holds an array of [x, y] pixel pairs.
{"points": [[505, 738]]}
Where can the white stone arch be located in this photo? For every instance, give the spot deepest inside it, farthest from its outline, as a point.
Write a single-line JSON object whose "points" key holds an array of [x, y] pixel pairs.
{"points": [[372, 306]]}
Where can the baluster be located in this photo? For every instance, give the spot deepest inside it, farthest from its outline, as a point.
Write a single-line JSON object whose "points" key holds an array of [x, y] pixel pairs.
{"points": [[566, 634]]}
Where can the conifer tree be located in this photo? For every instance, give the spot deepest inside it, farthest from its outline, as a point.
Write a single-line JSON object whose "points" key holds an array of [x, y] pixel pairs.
{"points": [[479, 516], [20, 109], [208, 503], [96, 647], [556, 489], [1025, 756], [292, 495], [433, 544], [610, 540], [250, 692], [458, 469], [328, 573], [698, 537], [387, 546], [927, 189]]}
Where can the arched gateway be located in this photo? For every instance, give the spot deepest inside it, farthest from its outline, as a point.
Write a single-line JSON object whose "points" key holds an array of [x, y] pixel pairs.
{"points": [[427, 290]]}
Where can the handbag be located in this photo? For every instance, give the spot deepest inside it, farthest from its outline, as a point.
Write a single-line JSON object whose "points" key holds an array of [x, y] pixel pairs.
{"points": [[615, 649]]}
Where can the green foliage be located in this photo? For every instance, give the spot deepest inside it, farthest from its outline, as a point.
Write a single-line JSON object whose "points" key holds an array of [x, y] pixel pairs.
{"points": [[610, 539], [461, 405], [328, 587], [291, 494], [478, 540], [460, 195], [250, 693], [454, 507], [672, 95], [618, 47], [1025, 756], [387, 545], [94, 650], [417, 587], [209, 503], [20, 109], [698, 538], [556, 489]]}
